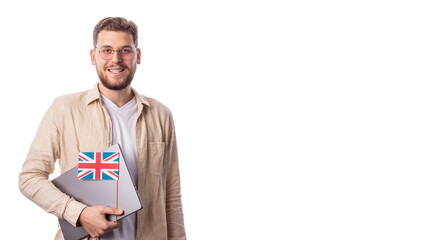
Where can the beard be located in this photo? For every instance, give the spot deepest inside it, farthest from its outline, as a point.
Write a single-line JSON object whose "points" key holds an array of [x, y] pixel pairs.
{"points": [[119, 86]]}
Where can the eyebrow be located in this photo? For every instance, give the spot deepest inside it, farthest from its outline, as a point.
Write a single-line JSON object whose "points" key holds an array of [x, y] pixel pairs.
{"points": [[109, 46]]}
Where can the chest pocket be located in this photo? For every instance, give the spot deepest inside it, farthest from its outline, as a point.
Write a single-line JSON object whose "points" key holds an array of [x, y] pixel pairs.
{"points": [[155, 157]]}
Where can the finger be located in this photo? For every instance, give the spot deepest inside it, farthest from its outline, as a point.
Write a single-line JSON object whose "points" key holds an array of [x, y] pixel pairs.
{"points": [[113, 225], [113, 211]]}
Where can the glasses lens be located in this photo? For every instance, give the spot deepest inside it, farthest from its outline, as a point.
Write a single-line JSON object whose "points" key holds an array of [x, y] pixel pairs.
{"points": [[126, 53], [106, 53]]}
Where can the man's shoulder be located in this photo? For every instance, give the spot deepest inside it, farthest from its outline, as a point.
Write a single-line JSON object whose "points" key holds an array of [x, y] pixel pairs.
{"points": [[72, 99], [155, 106]]}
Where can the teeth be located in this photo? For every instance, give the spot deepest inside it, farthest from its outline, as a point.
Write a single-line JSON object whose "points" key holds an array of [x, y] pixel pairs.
{"points": [[115, 70]]}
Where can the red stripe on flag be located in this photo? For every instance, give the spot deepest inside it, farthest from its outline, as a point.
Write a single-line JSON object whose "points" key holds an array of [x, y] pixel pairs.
{"points": [[107, 159], [98, 161], [83, 157], [113, 174], [84, 174]]}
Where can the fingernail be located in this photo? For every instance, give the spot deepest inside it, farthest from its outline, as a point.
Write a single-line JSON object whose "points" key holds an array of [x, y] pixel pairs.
{"points": [[119, 211]]}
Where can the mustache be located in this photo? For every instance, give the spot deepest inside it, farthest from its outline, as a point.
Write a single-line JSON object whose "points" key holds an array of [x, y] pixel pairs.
{"points": [[117, 66]]}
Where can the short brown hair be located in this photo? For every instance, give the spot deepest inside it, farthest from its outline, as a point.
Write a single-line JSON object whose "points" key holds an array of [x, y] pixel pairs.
{"points": [[115, 24]]}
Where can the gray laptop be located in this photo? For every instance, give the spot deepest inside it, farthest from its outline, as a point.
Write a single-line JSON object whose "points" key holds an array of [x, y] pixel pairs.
{"points": [[98, 193]]}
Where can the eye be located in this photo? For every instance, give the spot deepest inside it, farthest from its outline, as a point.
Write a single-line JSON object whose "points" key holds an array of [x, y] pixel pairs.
{"points": [[106, 50], [126, 50]]}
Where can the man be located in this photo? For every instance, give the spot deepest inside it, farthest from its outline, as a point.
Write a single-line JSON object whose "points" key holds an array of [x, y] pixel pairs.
{"points": [[112, 112]]}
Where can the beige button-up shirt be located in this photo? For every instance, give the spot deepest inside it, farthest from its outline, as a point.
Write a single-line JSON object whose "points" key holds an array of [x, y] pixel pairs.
{"points": [[80, 123]]}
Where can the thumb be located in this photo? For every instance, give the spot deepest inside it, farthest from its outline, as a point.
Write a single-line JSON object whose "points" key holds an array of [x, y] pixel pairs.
{"points": [[113, 211]]}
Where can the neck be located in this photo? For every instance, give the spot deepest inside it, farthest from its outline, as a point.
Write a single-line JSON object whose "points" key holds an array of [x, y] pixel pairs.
{"points": [[119, 97]]}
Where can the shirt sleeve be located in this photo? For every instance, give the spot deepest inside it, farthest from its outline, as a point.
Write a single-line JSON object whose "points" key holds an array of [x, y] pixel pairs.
{"points": [[175, 218], [40, 162]]}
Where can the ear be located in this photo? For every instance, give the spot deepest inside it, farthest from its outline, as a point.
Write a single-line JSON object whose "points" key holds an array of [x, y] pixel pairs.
{"points": [[93, 56], [139, 55]]}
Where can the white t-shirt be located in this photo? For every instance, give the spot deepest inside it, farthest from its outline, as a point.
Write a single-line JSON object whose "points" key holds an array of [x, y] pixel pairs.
{"points": [[124, 132]]}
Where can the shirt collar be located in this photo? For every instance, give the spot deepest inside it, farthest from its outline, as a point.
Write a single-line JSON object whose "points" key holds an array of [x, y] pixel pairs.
{"points": [[94, 94]]}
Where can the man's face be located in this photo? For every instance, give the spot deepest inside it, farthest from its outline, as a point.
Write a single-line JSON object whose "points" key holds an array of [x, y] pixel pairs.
{"points": [[117, 72]]}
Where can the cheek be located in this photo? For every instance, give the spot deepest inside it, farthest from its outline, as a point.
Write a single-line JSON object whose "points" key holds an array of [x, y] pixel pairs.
{"points": [[100, 69], [100, 64]]}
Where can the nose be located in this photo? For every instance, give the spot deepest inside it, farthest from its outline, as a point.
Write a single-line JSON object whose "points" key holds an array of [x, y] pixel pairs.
{"points": [[116, 58]]}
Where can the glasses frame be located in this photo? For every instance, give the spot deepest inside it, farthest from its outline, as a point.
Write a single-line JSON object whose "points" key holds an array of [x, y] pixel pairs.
{"points": [[116, 50]]}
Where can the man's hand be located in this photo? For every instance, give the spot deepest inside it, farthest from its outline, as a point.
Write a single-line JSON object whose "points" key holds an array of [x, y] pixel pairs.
{"points": [[94, 221]]}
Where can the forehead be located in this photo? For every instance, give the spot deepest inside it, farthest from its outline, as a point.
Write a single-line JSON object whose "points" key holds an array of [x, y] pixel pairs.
{"points": [[115, 39]]}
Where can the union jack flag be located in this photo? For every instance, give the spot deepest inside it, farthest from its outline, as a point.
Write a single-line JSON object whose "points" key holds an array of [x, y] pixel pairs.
{"points": [[98, 165]]}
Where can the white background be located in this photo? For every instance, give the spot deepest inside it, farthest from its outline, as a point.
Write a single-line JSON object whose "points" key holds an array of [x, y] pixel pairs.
{"points": [[295, 119]]}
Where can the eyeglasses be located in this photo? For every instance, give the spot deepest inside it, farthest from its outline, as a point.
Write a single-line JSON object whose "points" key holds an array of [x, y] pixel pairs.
{"points": [[125, 52]]}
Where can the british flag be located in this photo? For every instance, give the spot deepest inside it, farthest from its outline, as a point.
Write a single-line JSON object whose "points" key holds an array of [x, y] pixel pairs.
{"points": [[98, 165]]}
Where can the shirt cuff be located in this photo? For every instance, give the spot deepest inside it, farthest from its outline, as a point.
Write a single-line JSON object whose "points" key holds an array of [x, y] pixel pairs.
{"points": [[73, 211]]}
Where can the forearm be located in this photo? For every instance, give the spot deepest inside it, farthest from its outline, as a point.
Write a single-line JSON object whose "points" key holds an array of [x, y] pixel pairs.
{"points": [[174, 212], [34, 184], [40, 163], [174, 215]]}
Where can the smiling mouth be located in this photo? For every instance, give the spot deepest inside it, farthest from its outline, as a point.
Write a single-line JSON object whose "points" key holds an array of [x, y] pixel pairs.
{"points": [[116, 70]]}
